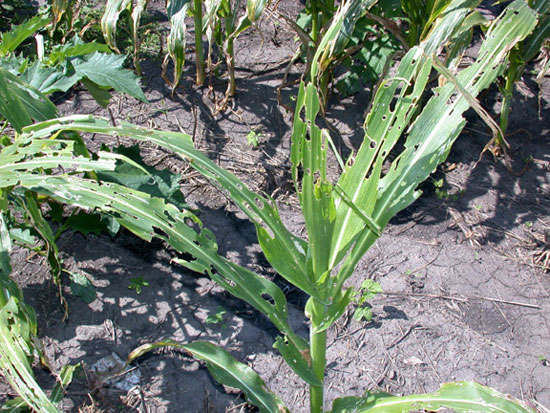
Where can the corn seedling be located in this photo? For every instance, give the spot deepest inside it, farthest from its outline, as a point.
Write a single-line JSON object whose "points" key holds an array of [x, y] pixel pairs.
{"points": [[343, 218]]}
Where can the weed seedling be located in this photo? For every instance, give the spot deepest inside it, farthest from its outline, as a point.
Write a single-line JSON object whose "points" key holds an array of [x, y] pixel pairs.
{"points": [[253, 138], [217, 317], [137, 284]]}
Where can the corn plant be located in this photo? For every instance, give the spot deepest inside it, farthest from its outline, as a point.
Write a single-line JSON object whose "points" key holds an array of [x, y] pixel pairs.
{"points": [[343, 218], [523, 53], [219, 20], [366, 31]]}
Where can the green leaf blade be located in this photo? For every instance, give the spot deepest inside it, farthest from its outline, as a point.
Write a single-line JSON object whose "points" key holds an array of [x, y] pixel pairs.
{"points": [[458, 396], [227, 370]]}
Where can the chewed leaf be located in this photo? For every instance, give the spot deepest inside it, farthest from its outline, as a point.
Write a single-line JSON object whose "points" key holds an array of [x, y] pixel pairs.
{"points": [[259, 209]]}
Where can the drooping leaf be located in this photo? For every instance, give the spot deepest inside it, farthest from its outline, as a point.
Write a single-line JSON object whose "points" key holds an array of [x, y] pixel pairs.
{"points": [[17, 332], [113, 9], [458, 396], [8, 286], [15, 348], [288, 256], [227, 370]]}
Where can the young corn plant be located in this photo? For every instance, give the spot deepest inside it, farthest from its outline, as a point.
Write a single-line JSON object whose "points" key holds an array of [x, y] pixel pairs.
{"points": [[343, 218], [219, 20], [365, 30], [522, 53]]}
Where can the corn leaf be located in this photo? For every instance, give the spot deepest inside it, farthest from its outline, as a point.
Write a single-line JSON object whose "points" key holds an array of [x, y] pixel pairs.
{"points": [[138, 10], [65, 378], [254, 9], [434, 130], [338, 34], [308, 154], [15, 349], [533, 44], [17, 329], [113, 9], [447, 26], [225, 369], [287, 252], [142, 214], [458, 396], [149, 217], [177, 9], [59, 8], [30, 205], [429, 141], [386, 122]]}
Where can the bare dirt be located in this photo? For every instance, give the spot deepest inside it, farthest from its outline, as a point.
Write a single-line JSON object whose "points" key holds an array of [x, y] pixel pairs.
{"points": [[464, 297]]}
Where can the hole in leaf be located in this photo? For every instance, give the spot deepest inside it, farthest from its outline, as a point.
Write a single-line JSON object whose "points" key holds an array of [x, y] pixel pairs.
{"points": [[268, 298]]}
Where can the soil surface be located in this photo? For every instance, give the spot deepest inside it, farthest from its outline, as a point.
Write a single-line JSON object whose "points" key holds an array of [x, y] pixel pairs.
{"points": [[466, 295]]}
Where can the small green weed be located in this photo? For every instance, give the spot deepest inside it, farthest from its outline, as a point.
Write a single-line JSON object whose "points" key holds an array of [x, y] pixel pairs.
{"points": [[443, 194], [367, 291], [137, 284], [217, 317], [253, 138]]}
